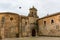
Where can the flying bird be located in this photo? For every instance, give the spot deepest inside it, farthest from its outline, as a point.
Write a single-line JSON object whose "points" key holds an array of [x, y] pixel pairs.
{"points": [[19, 7]]}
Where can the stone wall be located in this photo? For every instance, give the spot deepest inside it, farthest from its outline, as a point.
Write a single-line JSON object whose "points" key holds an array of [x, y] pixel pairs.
{"points": [[9, 24], [50, 29]]}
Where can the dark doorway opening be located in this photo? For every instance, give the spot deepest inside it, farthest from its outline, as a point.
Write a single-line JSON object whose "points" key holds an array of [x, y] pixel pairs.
{"points": [[33, 32], [17, 35]]}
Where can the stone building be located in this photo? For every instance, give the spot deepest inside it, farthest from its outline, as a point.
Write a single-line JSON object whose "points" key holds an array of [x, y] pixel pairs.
{"points": [[28, 23], [49, 25], [9, 23], [13, 25]]}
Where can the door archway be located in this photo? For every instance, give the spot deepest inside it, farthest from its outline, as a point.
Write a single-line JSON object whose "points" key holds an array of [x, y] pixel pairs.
{"points": [[33, 32]]}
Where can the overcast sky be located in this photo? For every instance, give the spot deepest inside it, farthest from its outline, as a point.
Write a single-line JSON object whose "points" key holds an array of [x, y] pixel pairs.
{"points": [[44, 7]]}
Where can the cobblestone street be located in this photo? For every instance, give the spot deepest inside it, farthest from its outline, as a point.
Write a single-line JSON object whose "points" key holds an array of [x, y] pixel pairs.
{"points": [[34, 38]]}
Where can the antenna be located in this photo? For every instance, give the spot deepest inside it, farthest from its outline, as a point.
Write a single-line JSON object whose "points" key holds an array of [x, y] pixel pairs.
{"points": [[47, 14]]}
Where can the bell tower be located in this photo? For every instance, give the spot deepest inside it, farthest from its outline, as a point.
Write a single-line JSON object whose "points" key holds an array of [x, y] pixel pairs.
{"points": [[33, 21], [33, 12]]}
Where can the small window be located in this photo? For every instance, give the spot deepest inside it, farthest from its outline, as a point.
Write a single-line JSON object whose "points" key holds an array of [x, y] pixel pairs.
{"points": [[52, 21], [11, 18], [57, 26], [25, 23], [3, 19], [59, 18], [44, 23], [32, 12]]}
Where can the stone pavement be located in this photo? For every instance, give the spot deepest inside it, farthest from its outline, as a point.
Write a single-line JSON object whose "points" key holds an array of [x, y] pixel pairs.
{"points": [[34, 38]]}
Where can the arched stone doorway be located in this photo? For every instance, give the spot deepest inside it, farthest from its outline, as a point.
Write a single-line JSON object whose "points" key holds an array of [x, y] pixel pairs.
{"points": [[33, 32]]}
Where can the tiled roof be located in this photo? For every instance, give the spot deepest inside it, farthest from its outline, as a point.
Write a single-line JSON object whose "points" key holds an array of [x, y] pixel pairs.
{"points": [[50, 15], [9, 13]]}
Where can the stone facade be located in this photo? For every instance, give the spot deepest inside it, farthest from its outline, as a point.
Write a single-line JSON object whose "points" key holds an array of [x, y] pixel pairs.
{"points": [[49, 25], [13, 25], [8, 24], [28, 23]]}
